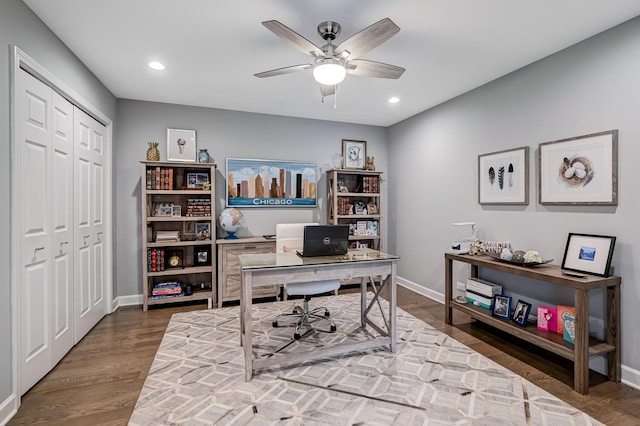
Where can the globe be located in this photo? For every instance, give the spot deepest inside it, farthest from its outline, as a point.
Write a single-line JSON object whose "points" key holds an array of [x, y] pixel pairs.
{"points": [[231, 220]]}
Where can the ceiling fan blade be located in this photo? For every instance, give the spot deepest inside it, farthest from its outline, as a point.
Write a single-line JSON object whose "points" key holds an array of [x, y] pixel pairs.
{"points": [[362, 42], [294, 38], [285, 70], [364, 68], [327, 90]]}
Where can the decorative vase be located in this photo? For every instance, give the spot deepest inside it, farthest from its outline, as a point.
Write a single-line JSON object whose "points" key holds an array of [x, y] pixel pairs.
{"points": [[203, 156], [153, 154]]}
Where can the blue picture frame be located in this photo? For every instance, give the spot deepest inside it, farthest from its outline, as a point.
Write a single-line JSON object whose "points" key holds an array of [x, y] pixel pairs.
{"points": [[271, 183], [501, 306]]}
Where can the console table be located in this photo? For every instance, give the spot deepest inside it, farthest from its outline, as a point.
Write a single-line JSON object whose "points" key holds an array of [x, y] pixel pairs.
{"points": [[584, 347]]}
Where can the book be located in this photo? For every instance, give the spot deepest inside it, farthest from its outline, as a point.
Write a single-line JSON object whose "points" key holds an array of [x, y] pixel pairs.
{"points": [[547, 318], [560, 311], [569, 330]]}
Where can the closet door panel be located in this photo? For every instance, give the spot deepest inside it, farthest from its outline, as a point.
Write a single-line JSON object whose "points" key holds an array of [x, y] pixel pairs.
{"points": [[62, 226], [33, 146], [89, 221]]}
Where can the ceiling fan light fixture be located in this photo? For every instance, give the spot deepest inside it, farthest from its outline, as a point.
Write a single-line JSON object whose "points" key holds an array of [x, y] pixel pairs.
{"points": [[329, 72]]}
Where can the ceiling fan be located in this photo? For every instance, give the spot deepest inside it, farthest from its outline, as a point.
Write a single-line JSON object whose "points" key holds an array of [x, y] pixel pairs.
{"points": [[331, 63]]}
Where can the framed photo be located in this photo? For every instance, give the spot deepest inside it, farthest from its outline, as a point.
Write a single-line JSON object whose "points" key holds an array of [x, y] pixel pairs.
{"points": [[197, 180], [163, 209], [372, 208], [181, 145], [354, 154], [203, 231], [189, 230], [501, 306], [590, 254], [521, 313], [503, 177], [176, 211], [271, 183], [202, 256], [579, 171]]}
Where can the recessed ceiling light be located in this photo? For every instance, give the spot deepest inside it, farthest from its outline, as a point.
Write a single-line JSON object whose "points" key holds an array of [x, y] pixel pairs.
{"points": [[394, 100], [156, 65]]}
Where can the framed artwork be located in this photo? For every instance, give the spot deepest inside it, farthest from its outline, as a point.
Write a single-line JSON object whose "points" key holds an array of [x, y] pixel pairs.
{"points": [[503, 177], [521, 313], [501, 306], [176, 211], [354, 154], [579, 171], [271, 183], [590, 254], [197, 180], [181, 145]]}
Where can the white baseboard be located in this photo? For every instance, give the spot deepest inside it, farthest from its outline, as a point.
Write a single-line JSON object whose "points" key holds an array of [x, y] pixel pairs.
{"points": [[630, 376], [8, 409], [426, 292], [134, 299]]}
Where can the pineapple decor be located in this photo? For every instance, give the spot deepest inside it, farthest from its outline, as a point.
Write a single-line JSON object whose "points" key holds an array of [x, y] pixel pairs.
{"points": [[153, 154]]}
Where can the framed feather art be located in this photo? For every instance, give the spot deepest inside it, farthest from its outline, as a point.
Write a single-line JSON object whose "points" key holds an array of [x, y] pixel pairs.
{"points": [[503, 177]]}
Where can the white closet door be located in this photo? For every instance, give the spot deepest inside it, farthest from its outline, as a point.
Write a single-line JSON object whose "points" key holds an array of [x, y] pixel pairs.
{"points": [[89, 226], [62, 227], [44, 126]]}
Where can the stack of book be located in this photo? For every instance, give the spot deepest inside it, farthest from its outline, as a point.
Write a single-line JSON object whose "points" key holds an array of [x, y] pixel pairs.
{"points": [[370, 184], [155, 260], [166, 290], [198, 207], [160, 178], [167, 236], [343, 206]]}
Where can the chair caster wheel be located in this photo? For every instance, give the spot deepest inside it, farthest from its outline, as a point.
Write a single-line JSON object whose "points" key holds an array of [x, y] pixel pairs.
{"points": [[333, 328], [274, 324], [296, 336], [295, 311], [327, 314]]}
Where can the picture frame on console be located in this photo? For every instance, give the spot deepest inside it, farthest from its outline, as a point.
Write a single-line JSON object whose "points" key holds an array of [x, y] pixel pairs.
{"points": [[503, 177], [501, 306], [589, 254], [181, 145], [521, 313], [354, 154], [582, 170]]}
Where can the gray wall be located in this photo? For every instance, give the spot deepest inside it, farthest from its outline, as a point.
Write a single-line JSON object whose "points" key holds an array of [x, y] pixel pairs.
{"points": [[224, 134], [587, 88], [20, 27]]}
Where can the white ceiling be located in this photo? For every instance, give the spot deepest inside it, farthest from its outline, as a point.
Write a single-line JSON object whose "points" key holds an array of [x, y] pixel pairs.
{"points": [[212, 48]]}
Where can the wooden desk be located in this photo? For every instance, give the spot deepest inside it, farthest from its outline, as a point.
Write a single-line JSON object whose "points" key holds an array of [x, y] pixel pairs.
{"points": [[260, 270], [584, 347]]}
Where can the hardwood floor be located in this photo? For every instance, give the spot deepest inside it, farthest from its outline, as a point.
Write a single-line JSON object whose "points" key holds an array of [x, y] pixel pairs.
{"points": [[99, 380]]}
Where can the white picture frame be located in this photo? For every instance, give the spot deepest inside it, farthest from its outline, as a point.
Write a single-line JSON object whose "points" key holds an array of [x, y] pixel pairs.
{"points": [[503, 177], [596, 184], [181, 145]]}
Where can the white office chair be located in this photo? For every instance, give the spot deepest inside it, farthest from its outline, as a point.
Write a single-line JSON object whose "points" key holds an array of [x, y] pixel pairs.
{"points": [[289, 238]]}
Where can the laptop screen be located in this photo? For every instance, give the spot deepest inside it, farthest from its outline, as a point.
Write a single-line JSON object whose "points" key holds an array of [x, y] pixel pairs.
{"points": [[325, 240]]}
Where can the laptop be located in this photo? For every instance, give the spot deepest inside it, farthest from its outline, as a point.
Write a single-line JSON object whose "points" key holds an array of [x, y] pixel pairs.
{"points": [[325, 240]]}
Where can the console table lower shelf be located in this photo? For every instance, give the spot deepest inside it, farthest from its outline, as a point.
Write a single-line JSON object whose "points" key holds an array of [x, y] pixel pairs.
{"points": [[585, 346]]}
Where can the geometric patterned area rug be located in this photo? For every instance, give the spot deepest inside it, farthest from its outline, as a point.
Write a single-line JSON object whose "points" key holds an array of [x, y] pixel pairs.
{"points": [[197, 377]]}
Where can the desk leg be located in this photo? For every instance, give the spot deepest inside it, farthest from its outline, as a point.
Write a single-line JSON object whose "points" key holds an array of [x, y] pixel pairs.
{"points": [[363, 302], [392, 307], [448, 291], [613, 333], [581, 346], [246, 326]]}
